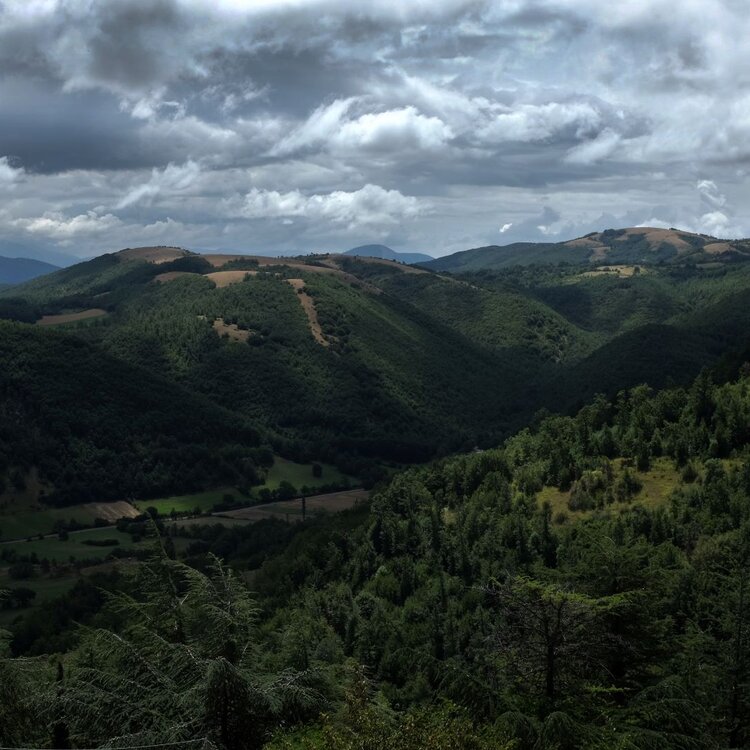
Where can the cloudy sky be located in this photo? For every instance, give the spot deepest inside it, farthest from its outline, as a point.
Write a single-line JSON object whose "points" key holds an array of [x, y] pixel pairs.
{"points": [[280, 126]]}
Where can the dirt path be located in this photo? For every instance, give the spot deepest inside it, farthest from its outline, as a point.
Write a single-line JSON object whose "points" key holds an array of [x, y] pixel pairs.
{"points": [[308, 305]]}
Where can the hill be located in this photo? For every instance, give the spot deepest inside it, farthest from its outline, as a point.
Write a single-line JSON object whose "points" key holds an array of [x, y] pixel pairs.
{"points": [[18, 270], [385, 252], [581, 585], [614, 246], [85, 426], [362, 362]]}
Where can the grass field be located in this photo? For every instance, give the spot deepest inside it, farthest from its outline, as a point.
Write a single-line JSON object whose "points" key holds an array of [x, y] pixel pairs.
{"points": [[75, 547], [657, 485], [201, 501], [301, 475]]}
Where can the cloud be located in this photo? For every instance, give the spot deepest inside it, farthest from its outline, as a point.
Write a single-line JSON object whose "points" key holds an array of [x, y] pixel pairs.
{"points": [[57, 227], [9, 174], [371, 204], [391, 131], [205, 119], [535, 122], [173, 179], [590, 152]]}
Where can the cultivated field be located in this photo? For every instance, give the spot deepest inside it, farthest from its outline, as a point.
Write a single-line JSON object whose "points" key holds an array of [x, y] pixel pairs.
{"points": [[225, 278], [23, 522]]}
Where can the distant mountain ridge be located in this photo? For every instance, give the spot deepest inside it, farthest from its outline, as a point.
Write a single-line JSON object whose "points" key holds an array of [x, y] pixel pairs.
{"points": [[630, 245], [383, 251], [18, 270]]}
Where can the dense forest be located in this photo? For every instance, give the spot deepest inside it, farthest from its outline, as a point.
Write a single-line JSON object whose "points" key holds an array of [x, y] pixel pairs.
{"points": [[528, 596], [410, 365]]}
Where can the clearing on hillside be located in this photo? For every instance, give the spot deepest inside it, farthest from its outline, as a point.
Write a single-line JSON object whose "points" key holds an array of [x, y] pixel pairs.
{"points": [[225, 278], [656, 486], [157, 254], [231, 330], [62, 318]]}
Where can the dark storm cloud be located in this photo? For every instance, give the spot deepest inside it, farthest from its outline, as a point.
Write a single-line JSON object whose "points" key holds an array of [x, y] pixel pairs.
{"points": [[315, 123], [48, 131]]}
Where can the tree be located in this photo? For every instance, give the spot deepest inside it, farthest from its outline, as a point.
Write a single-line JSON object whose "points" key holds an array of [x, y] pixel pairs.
{"points": [[183, 664], [547, 638]]}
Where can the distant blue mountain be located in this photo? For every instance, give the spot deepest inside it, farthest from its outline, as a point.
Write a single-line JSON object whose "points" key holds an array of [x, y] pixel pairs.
{"points": [[382, 251], [18, 270]]}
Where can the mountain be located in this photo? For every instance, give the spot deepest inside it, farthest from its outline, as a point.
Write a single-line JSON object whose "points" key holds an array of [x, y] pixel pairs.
{"points": [[359, 361], [382, 251], [614, 246], [18, 270]]}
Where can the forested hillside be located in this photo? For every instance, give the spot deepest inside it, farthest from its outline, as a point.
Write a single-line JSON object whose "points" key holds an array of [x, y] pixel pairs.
{"points": [[361, 362], [581, 586], [96, 428]]}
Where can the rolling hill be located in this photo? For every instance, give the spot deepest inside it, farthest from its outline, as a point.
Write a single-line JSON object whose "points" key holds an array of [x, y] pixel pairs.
{"points": [[356, 361], [614, 246], [385, 252], [18, 270]]}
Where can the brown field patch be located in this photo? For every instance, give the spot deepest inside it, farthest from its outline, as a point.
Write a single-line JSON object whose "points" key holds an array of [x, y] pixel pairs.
{"points": [[225, 278], [231, 330], [718, 248], [62, 318], [331, 502], [163, 278], [655, 237], [156, 254], [309, 307]]}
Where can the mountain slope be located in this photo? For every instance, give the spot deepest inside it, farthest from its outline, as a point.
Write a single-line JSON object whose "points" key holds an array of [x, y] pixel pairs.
{"points": [[385, 252], [356, 360], [98, 428], [18, 270], [630, 245]]}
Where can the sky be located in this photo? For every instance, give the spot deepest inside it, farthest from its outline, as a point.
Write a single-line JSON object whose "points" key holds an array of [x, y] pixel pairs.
{"points": [[296, 126]]}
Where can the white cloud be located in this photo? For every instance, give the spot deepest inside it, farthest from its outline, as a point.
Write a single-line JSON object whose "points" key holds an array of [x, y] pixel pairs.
{"points": [[171, 180], [318, 128], [9, 174], [371, 205], [393, 131], [55, 226], [535, 122], [590, 152], [505, 227], [710, 193]]}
